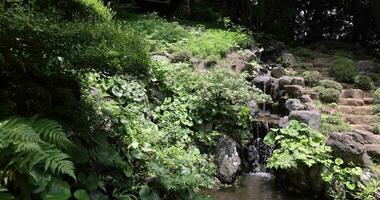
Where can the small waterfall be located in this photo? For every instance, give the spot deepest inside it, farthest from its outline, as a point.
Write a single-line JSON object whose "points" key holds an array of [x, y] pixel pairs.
{"points": [[257, 152]]}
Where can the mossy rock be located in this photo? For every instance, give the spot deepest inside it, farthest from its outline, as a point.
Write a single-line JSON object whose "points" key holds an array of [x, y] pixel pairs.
{"points": [[329, 95], [312, 78], [343, 69], [331, 84], [364, 82]]}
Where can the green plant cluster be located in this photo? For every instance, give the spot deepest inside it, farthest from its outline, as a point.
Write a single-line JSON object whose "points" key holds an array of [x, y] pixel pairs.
{"points": [[329, 91], [343, 69], [364, 82], [333, 123], [312, 78], [113, 124], [298, 147], [376, 108], [198, 41]]}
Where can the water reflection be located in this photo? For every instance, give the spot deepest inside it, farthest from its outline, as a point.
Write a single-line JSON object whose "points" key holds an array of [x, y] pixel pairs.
{"points": [[253, 187]]}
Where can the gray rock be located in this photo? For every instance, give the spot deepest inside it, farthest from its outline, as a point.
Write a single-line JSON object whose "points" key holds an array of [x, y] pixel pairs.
{"points": [[227, 160], [285, 80], [294, 104], [312, 118], [288, 59], [298, 81], [262, 82], [277, 72], [350, 147], [366, 66], [253, 108], [294, 91], [160, 58], [306, 99], [248, 55], [283, 122]]}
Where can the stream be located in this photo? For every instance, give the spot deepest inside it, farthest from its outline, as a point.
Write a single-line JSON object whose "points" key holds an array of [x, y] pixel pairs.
{"points": [[257, 186]]}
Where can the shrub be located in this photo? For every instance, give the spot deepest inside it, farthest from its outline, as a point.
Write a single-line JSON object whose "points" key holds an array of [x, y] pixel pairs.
{"points": [[93, 10], [364, 82], [331, 84], [376, 96], [312, 77], [333, 123], [329, 95], [296, 144], [107, 47], [343, 69], [205, 43]]}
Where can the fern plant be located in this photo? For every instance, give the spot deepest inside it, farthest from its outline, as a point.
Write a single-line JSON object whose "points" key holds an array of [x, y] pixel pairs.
{"points": [[31, 145]]}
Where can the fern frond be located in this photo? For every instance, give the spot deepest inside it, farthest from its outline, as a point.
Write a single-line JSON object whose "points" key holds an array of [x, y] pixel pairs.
{"points": [[51, 132], [58, 162]]}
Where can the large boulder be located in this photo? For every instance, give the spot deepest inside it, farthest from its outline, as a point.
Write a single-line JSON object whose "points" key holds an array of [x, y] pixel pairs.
{"points": [[298, 81], [284, 80], [227, 160], [253, 108], [277, 72], [294, 91], [294, 104], [263, 82], [350, 147], [311, 118]]}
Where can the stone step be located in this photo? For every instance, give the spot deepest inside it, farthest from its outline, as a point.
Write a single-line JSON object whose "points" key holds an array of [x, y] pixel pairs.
{"points": [[352, 102], [352, 93], [363, 110], [368, 101], [358, 119], [362, 127], [345, 109]]}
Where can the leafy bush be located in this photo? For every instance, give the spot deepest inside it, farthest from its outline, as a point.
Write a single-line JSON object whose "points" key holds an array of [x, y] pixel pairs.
{"points": [[368, 189], [205, 43], [364, 82], [376, 96], [312, 78], [32, 152], [298, 146], [63, 46], [329, 95], [333, 123], [331, 84], [343, 69], [343, 181], [93, 10], [304, 52]]}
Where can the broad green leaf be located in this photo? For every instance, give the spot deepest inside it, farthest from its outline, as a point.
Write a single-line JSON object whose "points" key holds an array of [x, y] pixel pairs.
{"points": [[81, 195]]}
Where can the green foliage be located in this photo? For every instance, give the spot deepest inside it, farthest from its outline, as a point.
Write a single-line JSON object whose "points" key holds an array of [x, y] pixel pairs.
{"points": [[312, 78], [163, 35], [368, 189], [29, 148], [344, 181], [333, 123], [205, 43], [108, 47], [93, 10], [376, 96], [329, 95], [331, 84], [343, 69], [364, 82], [298, 146], [304, 52]]}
